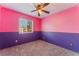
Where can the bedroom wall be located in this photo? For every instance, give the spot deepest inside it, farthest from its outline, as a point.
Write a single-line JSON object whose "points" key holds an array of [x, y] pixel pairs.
{"points": [[62, 28], [9, 35]]}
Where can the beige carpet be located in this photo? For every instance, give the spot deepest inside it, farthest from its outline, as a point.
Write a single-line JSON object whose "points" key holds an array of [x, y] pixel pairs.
{"points": [[36, 48]]}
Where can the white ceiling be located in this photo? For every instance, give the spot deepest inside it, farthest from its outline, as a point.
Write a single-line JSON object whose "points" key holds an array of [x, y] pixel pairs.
{"points": [[28, 7]]}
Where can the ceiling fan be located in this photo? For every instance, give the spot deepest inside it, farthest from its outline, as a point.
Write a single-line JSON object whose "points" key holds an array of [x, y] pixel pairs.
{"points": [[40, 8]]}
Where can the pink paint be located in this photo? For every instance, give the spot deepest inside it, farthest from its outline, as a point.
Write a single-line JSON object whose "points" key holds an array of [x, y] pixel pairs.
{"points": [[0, 16], [65, 21], [10, 18]]}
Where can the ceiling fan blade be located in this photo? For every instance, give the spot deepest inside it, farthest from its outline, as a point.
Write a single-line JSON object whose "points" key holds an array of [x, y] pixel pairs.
{"points": [[46, 11], [38, 13], [33, 11], [45, 4]]}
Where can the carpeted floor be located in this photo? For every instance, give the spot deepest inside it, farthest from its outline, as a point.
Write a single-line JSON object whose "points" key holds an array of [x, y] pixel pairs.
{"points": [[37, 48]]}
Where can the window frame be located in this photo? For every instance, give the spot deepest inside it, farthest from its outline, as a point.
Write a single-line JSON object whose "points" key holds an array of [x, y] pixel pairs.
{"points": [[27, 20]]}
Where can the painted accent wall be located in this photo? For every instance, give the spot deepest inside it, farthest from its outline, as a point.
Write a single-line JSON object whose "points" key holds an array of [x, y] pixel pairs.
{"points": [[9, 24], [62, 28], [0, 15]]}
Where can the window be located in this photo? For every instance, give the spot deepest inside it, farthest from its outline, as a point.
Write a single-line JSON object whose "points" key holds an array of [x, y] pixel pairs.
{"points": [[25, 26]]}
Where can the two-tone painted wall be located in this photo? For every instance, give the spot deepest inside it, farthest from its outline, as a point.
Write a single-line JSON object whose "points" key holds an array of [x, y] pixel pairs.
{"points": [[9, 24], [62, 28]]}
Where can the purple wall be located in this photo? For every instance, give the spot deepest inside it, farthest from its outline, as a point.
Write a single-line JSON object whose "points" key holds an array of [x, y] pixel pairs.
{"points": [[62, 28], [9, 25], [9, 38]]}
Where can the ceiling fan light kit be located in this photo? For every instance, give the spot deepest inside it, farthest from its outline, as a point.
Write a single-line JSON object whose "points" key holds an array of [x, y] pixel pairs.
{"points": [[40, 8]]}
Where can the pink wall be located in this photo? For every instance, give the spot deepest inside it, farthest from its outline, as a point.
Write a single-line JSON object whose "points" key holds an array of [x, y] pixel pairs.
{"points": [[10, 20], [0, 12], [65, 21]]}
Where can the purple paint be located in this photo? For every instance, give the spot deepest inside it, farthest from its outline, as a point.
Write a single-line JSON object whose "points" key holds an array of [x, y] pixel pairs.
{"points": [[66, 40], [8, 39]]}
